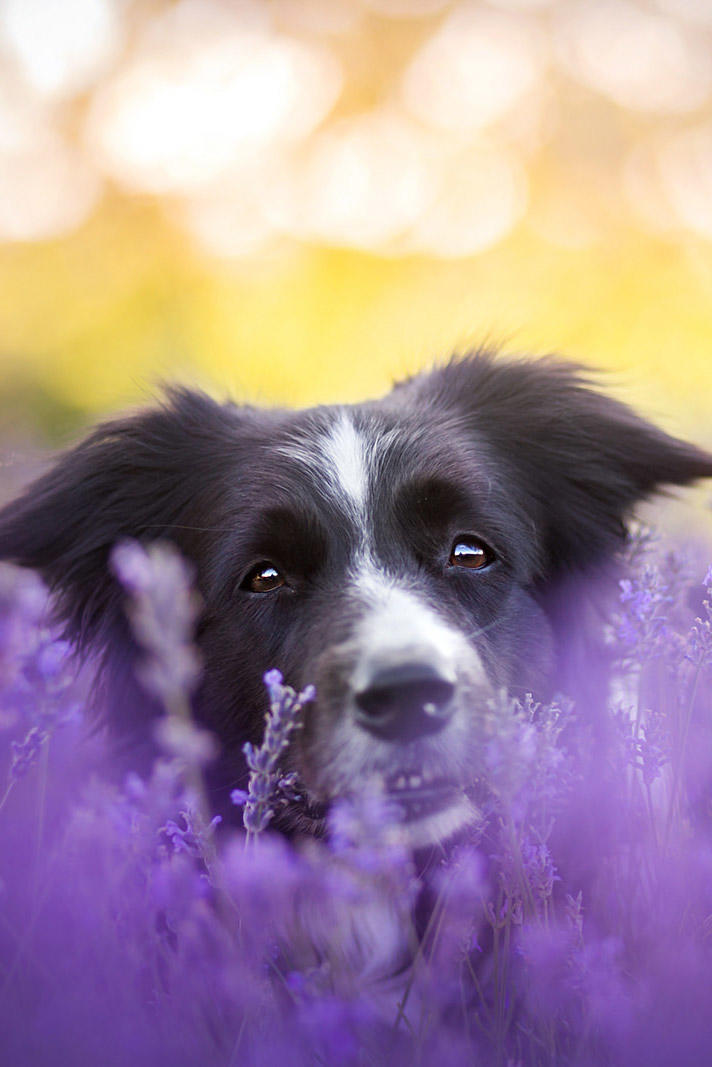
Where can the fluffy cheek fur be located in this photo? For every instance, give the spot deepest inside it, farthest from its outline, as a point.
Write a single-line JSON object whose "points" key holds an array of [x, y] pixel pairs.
{"points": [[519, 651]]}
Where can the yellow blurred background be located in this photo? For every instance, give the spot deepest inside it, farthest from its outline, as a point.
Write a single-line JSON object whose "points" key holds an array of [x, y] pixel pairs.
{"points": [[300, 200]]}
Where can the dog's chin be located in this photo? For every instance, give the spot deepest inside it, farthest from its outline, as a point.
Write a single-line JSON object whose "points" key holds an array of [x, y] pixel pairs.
{"points": [[422, 817], [433, 827]]}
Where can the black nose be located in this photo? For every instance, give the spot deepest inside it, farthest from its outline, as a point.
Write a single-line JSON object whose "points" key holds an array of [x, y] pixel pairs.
{"points": [[405, 702]]}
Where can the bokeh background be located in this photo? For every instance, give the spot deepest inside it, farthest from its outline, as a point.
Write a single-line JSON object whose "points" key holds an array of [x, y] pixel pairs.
{"points": [[300, 200]]}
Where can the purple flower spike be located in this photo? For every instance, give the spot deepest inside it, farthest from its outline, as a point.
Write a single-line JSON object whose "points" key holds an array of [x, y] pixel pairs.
{"points": [[266, 779], [162, 609], [193, 836], [24, 753], [273, 680]]}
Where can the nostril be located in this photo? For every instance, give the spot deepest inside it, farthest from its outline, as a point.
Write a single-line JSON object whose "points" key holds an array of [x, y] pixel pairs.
{"points": [[405, 702], [431, 696]]}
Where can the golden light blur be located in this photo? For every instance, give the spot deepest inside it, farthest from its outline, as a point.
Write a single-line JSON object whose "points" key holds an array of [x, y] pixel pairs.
{"points": [[300, 200]]}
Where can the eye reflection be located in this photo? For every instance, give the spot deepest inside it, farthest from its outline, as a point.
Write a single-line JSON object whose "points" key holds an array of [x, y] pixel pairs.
{"points": [[471, 553], [263, 578]]}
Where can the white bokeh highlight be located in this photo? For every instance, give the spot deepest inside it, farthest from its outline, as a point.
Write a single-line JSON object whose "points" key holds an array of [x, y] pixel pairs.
{"points": [[361, 183], [639, 59], [482, 197], [47, 189], [190, 110], [475, 69], [261, 124], [686, 172], [60, 47]]}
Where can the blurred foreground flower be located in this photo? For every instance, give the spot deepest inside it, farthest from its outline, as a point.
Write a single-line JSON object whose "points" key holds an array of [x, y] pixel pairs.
{"points": [[571, 926], [162, 610], [23, 605]]}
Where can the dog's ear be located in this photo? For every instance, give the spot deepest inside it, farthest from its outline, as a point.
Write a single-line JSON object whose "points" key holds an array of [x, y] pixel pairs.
{"points": [[146, 476], [580, 459]]}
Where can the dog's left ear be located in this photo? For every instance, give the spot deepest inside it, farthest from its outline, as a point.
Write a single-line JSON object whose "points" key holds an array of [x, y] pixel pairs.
{"points": [[151, 475], [580, 459]]}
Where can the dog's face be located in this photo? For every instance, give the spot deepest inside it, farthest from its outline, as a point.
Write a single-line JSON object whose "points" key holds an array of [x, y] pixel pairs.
{"points": [[380, 556], [404, 556]]}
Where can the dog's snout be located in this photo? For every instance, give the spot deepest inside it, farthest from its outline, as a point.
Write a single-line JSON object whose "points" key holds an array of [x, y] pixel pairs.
{"points": [[405, 702]]}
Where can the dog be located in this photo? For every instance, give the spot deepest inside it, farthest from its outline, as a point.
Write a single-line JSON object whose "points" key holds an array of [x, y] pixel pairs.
{"points": [[409, 556]]}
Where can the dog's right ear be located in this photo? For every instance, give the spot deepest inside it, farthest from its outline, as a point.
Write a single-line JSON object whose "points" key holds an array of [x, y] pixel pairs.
{"points": [[147, 476], [580, 460]]}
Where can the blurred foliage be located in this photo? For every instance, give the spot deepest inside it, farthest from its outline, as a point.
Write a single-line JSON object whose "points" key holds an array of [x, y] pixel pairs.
{"points": [[603, 251], [95, 319]]}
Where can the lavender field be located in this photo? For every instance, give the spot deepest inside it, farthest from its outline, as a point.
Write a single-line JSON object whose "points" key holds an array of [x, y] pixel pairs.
{"points": [[573, 926]]}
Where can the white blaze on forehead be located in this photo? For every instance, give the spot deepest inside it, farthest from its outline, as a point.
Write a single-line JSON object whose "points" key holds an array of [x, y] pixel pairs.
{"points": [[339, 458], [345, 453]]}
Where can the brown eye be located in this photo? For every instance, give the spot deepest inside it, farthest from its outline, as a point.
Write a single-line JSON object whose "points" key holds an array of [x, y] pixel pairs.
{"points": [[472, 553], [263, 578]]}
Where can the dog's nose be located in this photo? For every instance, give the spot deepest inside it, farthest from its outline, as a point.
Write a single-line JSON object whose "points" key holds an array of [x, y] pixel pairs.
{"points": [[405, 702]]}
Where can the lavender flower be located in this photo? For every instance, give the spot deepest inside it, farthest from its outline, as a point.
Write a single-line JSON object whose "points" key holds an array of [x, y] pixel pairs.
{"points": [[650, 745], [182, 739], [553, 940], [699, 641], [281, 719], [162, 609], [573, 914], [25, 753], [193, 836], [540, 869], [23, 605], [645, 598]]}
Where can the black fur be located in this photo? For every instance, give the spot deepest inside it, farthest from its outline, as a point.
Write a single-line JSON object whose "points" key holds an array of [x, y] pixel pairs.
{"points": [[524, 454]]}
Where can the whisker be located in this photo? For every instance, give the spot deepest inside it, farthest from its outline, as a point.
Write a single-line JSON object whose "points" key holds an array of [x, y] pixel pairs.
{"points": [[484, 629]]}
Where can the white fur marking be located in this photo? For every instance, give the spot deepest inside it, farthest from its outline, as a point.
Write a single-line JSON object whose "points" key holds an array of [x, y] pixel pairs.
{"points": [[400, 626], [440, 825], [344, 450]]}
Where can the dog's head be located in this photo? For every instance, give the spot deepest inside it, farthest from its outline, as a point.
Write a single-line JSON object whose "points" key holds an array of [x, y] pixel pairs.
{"points": [[407, 556]]}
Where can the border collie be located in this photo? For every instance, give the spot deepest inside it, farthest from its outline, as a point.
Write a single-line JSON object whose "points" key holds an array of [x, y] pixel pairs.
{"points": [[408, 556]]}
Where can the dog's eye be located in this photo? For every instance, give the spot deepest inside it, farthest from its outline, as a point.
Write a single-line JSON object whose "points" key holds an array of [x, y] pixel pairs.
{"points": [[263, 578], [472, 553]]}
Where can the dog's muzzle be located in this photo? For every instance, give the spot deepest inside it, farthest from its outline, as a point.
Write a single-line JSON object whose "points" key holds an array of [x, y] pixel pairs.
{"points": [[404, 702]]}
